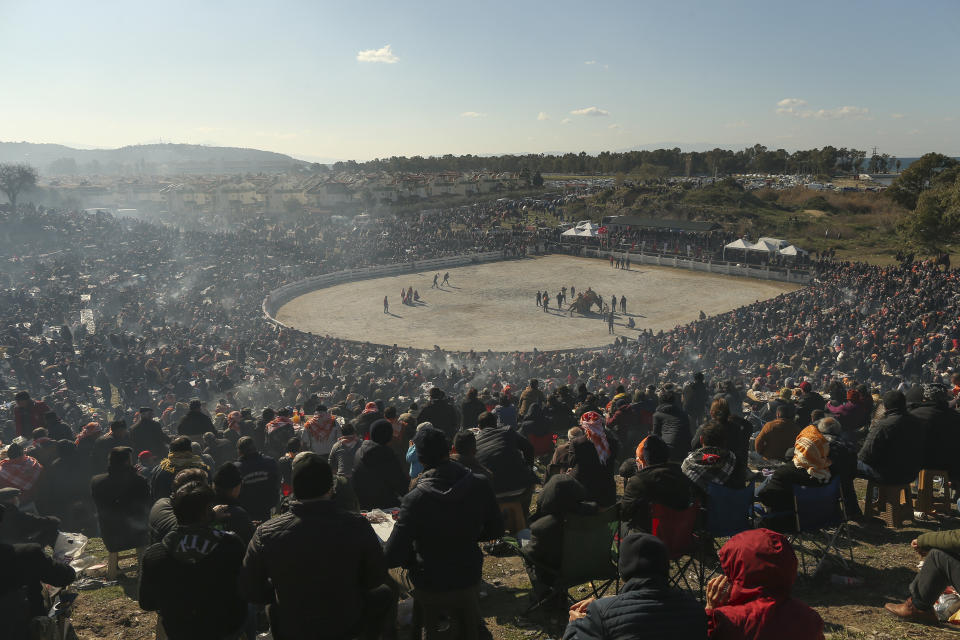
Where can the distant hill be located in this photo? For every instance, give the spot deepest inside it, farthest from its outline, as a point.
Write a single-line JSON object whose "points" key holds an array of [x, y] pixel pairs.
{"points": [[146, 159]]}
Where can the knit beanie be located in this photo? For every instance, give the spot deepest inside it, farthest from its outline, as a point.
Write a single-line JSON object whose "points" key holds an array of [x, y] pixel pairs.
{"points": [[381, 431], [643, 555]]}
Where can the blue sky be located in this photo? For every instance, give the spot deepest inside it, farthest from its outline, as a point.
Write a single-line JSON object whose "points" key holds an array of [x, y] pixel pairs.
{"points": [[482, 77]]}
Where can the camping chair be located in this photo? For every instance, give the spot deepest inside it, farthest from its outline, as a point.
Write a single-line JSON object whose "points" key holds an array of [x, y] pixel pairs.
{"points": [[819, 510], [586, 557], [728, 512], [677, 530]]}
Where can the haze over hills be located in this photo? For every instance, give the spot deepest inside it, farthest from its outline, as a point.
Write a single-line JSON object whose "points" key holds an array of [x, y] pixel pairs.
{"points": [[146, 159]]}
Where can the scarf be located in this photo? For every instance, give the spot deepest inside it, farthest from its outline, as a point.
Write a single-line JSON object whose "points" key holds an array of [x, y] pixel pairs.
{"points": [[347, 440], [320, 426], [233, 420], [179, 460], [278, 422], [90, 430], [592, 423], [22, 473], [810, 453], [371, 407]]}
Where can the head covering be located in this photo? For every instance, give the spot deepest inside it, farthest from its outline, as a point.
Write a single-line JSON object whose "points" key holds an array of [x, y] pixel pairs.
{"points": [[90, 430], [652, 450], [805, 386], [810, 453], [759, 563], [371, 407], [934, 392], [320, 425], [381, 431], [592, 423], [233, 420], [643, 555], [312, 476]]}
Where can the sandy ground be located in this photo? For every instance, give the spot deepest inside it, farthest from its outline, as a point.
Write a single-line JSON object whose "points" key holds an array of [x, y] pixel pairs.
{"points": [[493, 306]]}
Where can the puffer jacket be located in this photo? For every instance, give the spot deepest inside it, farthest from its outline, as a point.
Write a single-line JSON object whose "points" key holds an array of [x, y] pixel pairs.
{"points": [[508, 455], [440, 523], [941, 427], [894, 447], [761, 567], [673, 425]]}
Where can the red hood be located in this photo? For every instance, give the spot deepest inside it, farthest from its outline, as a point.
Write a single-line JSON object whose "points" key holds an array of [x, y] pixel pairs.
{"points": [[757, 563]]}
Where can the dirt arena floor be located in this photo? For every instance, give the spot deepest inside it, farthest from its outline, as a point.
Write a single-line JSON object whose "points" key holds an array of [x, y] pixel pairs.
{"points": [[493, 306]]}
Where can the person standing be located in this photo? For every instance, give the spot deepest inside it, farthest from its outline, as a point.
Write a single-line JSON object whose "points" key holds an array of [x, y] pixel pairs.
{"points": [[546, 301], [386, 305], [539, 298], [260, 488], [436, 277], [123, 501], [610, 318], [623, 304], [446, 278], [28, 414]]}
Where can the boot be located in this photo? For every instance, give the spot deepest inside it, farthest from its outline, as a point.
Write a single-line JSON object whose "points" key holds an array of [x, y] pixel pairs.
{"points": [[908, 611]]}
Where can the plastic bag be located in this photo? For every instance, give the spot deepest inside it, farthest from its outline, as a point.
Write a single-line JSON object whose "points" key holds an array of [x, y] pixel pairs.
{"points": [[69, 546], [947, 604]]}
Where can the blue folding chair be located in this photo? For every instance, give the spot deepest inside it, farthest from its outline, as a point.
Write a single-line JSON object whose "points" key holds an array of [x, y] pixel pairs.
{"points": [[727, 513], [821, 522]]}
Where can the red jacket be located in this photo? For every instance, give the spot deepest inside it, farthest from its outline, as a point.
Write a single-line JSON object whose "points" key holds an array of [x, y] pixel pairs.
{"points": [[761, 568], [33, 416]]}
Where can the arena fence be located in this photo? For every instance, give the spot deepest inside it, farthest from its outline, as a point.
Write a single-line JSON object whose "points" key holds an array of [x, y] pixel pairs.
{"points": [[761, 272]]}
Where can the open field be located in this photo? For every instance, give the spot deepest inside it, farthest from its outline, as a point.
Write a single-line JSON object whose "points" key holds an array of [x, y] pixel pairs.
{"points": [[493, 306]]}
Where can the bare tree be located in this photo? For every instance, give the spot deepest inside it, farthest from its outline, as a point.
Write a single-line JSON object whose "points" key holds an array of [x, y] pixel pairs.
{"points": [[14, 178]]}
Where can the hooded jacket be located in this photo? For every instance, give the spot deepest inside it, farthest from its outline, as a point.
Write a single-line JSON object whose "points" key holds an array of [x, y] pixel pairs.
{"points": [[508, 455], [673, 425], [941, 427], [189, 579], [894, 447], [646, 607], [761, 568], [440, 523], [123, 504], [260, 490]]}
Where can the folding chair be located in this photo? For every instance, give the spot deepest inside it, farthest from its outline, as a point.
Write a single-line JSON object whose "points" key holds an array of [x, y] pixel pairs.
{"points": [[586, 557], [677, 530], [818, 510], [728, 512]]}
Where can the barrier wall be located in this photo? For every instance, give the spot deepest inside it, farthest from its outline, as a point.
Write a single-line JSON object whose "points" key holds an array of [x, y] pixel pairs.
{"points": [[761, 272], [279, 297]]}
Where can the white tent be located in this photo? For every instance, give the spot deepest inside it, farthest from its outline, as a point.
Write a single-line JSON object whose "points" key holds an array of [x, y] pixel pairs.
{"points": [[571, 232], [765, 245], [585, 229], [791, 250], [739, 244], [777, 242]]}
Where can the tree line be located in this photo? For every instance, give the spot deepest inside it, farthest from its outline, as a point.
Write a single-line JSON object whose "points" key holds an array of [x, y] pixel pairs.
{"points": [[653, 164]]}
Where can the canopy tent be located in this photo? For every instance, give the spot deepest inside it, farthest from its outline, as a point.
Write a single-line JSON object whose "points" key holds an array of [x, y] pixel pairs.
{"points": [[585, 229], [739, 244], [571, 232], [791, 250], [765, 245], [777, 242]]}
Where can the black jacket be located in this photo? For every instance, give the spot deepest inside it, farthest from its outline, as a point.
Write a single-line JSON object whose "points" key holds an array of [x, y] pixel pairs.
{"points": [[123, 501], [469, 411], [663, 484], [941, 426], [672, 424], [442, 415], [318, 562], [194, 423], [562, 496], [777, 495], [260, 491], [100, 456], [894, 447], [190, 578], [508, 455], [221, 450], [364, 421], [161, 520], [807, 403], [738, 433], [646, 607], [440, 523], [25, 569], [595, 476], [148, 435], [378, 478], [535, 422]]}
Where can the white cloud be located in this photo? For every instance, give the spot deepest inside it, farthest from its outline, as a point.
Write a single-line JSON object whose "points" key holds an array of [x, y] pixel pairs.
{"points": [[590, 62], [796, 107], [384, 54], [896, 116], [473, 114], [566, 121], [542, 116], [593, 112]]}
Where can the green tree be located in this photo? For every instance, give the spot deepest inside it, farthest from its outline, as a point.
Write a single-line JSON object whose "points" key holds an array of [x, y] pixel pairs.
{"points": [[936, 219], [537, 180], [921, 175], [15, 178]]}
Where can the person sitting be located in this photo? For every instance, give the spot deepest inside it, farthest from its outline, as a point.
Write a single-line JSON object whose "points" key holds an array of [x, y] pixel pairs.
{"points": [[465, 452], [712, 462], [593, 459], [843, 463], [317, 566], [123, 502], [852, 414], [738, 439], [509, 456], [561, 497], [893, 450], [378, 478], [435, 538], [752, 598], [219, 449], [181, 457], [768, 412], [21, 526], [26, 568], [194, 422], [808, 402], [652, 479], [941, 427], [672, 425], [940, 551], [646, 607], [810, 468], [320, 432], [22, 472], [777, 435], [563, 455], [537, 428], [187, 577], [260, 489], [277, 433]]}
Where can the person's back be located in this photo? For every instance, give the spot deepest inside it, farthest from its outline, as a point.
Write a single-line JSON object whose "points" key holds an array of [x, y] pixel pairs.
{"points": [[123, 502], [647, 606], [778, 435], [673, 426], [894, 445], [941, 427], [147, 435], [26, 568], [760, 567], [378, 478], [189, 576], [195, 422], [317, 561], [440, 413], [260, 490], [499, 449]]}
